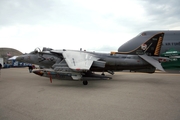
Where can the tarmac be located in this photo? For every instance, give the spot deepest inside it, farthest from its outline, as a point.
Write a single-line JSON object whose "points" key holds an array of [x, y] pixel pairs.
{"points": [[128, 96]]}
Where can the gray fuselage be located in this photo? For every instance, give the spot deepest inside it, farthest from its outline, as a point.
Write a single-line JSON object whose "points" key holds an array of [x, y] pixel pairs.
{"points": [[171, 40], [116, 62]]}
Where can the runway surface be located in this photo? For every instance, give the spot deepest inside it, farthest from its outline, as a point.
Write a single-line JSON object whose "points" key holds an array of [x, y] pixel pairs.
{"points": [[128, 96]]}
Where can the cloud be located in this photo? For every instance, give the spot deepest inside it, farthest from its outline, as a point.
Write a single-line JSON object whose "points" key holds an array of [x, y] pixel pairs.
{"points": [[23, 11], [71, 24], [162, 14]]}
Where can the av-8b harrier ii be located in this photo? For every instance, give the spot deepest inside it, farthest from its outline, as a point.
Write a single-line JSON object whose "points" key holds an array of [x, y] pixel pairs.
{"points": [[81, 65]]}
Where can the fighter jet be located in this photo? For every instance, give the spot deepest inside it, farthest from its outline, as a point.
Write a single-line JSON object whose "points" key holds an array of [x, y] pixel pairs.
{"points": [[81, 65]]}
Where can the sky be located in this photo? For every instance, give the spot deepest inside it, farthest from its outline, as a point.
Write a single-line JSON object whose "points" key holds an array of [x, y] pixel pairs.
{"points": [[94, 25]]}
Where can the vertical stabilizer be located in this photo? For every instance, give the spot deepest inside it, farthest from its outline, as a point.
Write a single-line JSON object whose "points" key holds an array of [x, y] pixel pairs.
{"points": [[151, 47]]}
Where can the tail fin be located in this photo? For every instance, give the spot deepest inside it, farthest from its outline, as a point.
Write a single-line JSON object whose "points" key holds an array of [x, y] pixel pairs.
{"points": [[151, 47]]}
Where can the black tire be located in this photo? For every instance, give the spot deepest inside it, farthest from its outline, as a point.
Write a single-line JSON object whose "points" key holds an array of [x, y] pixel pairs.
{"points": [[102, 74], [85, 82]]}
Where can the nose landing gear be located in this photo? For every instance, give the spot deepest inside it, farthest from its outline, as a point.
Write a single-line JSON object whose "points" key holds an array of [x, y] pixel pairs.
{"points": [[85, 82]]}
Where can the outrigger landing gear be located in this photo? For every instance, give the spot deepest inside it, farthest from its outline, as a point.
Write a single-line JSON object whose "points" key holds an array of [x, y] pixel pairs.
{"points": [[85, 82]]}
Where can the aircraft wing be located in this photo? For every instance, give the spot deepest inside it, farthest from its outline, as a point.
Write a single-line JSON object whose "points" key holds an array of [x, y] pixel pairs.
{"points": [[75, 63], [152, 61], [78, 60]]}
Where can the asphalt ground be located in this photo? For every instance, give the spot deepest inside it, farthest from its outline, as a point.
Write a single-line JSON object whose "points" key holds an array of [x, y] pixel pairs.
{"points": [[128, 96]]}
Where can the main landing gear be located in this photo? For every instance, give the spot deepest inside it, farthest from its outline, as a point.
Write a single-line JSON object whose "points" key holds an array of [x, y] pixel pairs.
{"points": [[85, 82], [103, 74]]}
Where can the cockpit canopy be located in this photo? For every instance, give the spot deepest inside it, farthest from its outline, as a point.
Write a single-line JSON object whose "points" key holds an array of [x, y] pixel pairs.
{"points": [[46, 49], [37, 50]]}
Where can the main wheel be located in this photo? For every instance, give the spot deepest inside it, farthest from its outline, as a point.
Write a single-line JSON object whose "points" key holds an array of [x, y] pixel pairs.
{"points": [[103, 73], [85, 82]]}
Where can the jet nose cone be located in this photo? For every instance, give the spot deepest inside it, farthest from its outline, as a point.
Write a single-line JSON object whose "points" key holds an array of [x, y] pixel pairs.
{"points": [[20, 58]]}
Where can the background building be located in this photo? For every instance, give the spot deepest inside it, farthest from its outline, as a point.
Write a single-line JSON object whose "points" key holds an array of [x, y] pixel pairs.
{"points": [[6, 53]]}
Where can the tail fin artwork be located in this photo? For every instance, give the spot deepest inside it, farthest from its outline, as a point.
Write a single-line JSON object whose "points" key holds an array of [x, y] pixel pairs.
{"points": [[151, 47]]}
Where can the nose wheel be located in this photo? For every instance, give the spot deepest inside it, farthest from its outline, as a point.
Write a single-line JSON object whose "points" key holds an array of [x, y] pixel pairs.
{"points": [[85, 82]]}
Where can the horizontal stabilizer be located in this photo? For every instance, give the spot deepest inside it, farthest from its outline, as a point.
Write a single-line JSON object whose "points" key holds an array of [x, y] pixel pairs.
{"points": [[152, 61]]}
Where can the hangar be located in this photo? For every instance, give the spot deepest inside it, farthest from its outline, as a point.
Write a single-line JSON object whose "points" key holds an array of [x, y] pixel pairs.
{"points": [[6, 53]]}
